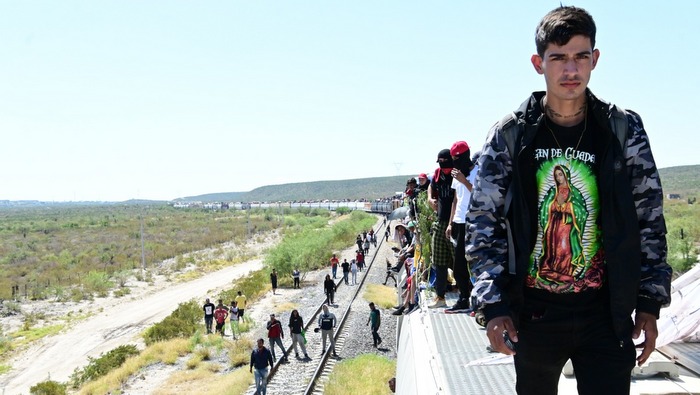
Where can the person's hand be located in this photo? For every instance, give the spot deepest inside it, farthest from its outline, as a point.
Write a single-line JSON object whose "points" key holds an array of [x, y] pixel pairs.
{"points": [[494, 331], [645, 322], [433, 204], [456, 174], [448, 231], [251, 370]]}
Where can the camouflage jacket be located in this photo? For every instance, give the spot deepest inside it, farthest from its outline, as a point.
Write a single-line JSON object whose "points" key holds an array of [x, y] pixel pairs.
{"points": [[632, 222]]}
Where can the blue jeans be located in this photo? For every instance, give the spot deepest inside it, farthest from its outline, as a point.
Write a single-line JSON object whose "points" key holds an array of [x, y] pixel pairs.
{"points": [[278, 341], [334, 270], [549, 336], [261, 380]]}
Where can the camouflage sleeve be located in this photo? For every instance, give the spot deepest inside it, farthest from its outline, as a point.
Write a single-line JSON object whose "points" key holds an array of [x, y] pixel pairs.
{"points": [[648, 198], [487, 245]]}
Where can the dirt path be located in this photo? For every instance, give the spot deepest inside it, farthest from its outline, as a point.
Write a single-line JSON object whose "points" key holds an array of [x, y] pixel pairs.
{"points": [[120, 323]]}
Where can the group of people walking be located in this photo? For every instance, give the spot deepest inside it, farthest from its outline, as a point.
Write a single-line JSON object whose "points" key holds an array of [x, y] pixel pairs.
{"points": [[220, 312]]}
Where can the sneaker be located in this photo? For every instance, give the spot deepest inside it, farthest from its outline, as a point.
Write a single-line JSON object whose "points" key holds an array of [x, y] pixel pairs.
{"points": [[399, 311], [411, 309], [438, 302], [462, 306]]}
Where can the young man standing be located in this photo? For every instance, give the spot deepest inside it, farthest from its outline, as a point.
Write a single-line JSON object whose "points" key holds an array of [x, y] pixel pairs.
{"points": [[346, 270], [375, 319], [567, 234], [240, 303], [208, 315], [334, 266], [220, 314], [261, 359], [296, 274], [440, 197], [463, 179], [327, 322], [275, 334]]}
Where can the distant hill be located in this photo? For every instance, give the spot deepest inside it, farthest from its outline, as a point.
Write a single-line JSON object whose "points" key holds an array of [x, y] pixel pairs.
{"points": [[360, 188], [683, 180]]}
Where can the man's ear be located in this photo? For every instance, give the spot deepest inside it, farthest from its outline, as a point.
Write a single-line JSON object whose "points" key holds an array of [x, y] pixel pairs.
{"points": [[537, 63], [596, 55]]}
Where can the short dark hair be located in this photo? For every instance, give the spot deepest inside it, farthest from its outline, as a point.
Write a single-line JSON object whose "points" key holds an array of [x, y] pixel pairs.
{"points": [[562, 23]]}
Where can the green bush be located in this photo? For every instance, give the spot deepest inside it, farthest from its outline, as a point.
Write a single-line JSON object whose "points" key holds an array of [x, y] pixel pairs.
{"points": [[98, 283], [48, 388], [180, 323], [98, 367], [342, 210]]}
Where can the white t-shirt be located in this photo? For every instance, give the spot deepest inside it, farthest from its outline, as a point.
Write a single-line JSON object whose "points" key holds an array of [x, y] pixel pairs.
{"points": [[463, 195]]}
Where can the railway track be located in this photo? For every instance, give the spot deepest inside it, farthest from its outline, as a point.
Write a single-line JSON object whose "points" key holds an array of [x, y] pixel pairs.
{"points": [[303, 376]]}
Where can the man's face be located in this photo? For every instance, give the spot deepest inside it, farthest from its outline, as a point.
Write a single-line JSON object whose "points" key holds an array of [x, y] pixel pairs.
{"points": [[567, 68], [422, 180]]}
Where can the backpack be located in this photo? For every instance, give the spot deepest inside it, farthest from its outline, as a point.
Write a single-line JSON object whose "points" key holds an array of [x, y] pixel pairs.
{"points": [[511, 133]]}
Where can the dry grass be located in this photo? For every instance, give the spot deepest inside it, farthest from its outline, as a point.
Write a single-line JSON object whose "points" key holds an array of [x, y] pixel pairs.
{"points": [[374, 370], [239, 352], [383, 297], [165, 352], [203, 381], [284, 307]]}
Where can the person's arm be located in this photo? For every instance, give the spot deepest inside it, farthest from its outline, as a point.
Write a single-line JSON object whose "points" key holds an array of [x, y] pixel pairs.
{"points": [[252, 357], [269, 358], [453, 210], [487, 246], [432, 201], [655, 285], [462, 178]]}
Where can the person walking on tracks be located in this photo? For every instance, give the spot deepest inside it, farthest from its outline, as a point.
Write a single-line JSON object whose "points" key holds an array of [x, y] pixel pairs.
{"points": [[376, 320], [296, 327], [261, 360], [327, 322], [334, 266], [567, 232], [346, 270], [353, 271], [275, 334], [329, 288]]}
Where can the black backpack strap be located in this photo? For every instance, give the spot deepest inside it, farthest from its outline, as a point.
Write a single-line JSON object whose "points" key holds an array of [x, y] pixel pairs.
{"points": [[619, 125]]}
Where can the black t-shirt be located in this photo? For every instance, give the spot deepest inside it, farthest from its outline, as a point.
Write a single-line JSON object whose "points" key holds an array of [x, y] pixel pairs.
{"points": [[346, 266], [567, 264], [443, 192]]}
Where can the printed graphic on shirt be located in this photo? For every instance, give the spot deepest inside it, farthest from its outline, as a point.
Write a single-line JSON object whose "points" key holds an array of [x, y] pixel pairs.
{"points": [[568, 254]]}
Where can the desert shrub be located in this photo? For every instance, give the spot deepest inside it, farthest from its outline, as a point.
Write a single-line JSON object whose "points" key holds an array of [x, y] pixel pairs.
{"points": [[105, 363], [180, 323], [342, 210], [98, 283], [121, 292], [48, 388]]}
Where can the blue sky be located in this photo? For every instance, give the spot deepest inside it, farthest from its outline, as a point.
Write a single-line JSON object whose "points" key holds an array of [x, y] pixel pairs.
{"points": [[113, 100]]}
